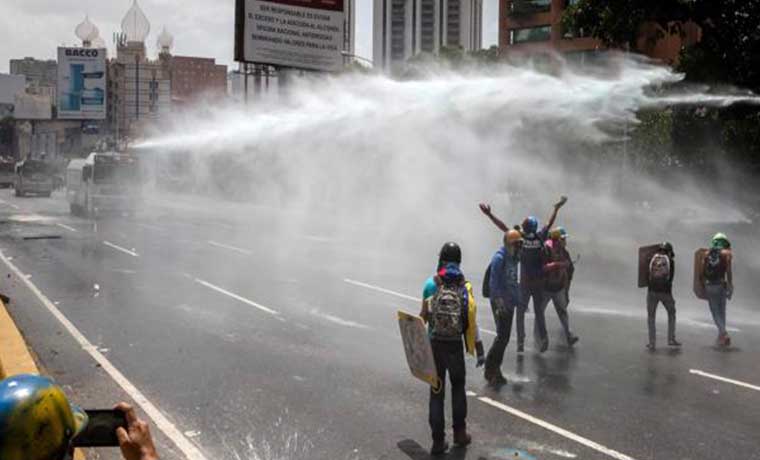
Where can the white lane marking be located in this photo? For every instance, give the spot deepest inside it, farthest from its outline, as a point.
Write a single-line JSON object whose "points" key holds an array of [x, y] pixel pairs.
{"points": [[231, 248], [554, 428], [340, 321], [383, 290], [71, 229], [236, 297], [398, 294], [628, 314], [183, 444], [724, 379], [119, 248]]}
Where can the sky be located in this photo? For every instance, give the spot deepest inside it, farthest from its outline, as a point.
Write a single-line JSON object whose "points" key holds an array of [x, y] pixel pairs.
{"points": [[201, 27]]}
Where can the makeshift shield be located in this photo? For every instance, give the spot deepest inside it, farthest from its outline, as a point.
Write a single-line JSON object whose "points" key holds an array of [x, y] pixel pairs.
{"points": [[645, 257], [419, 353], [699, 267]]}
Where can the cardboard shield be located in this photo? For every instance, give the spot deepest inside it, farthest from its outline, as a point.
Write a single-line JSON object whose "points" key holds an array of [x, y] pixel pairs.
{"points": [[699, 266], [419, 353], [645, 256]]}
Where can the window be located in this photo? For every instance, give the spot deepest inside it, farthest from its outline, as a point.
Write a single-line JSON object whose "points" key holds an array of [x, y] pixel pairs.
{"points": [[527, 7], [531, 34]]}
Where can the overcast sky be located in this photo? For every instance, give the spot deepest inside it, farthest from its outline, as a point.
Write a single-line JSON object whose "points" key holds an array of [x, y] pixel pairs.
{"points": [[201, 27]]}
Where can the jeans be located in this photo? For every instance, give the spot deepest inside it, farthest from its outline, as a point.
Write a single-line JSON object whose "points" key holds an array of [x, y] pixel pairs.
{"points": [[503, 313], [530, 288], [716, 297], [449, 356], [560, 299], [653, 299]]}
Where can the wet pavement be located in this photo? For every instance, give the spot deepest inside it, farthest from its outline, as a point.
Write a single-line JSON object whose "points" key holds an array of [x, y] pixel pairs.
{"points": [[256, 339]]}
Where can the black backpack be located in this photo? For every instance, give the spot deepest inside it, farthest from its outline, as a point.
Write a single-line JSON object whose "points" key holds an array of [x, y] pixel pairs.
{"points": [[714, 270], [487, 282]]}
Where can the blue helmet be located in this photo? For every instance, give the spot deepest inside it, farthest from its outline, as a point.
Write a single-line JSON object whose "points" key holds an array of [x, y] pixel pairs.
{"points": [[530, 225], [37, 422]]}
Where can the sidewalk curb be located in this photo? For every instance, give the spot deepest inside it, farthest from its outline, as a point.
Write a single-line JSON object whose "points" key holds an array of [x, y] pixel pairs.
{"points": [[15, 357]]}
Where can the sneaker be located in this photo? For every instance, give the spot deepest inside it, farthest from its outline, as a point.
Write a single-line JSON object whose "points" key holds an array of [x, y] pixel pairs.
{"points": [[651, 346], [497, 379], [462, 438], [674, 343], [439, 447], [572, 340], [520, 348]]}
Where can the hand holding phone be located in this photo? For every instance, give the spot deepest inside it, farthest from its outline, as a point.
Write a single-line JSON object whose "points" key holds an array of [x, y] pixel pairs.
{"points": [[101, 428]]}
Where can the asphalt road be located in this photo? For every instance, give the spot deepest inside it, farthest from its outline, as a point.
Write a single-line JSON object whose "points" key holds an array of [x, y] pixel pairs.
{"points": [[248, 338]]}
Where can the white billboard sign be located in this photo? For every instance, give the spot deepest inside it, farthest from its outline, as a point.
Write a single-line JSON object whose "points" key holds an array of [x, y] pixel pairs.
{"points": [[306, 34], [82, 83]]}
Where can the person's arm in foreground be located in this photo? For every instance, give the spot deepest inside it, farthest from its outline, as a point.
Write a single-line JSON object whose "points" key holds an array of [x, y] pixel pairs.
{"points": [[135, 441], [553, 218], [730, 274], [486, 209]]}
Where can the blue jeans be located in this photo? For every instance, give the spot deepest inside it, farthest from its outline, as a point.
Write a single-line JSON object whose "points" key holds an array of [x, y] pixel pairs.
{"points": [[716, 297]]}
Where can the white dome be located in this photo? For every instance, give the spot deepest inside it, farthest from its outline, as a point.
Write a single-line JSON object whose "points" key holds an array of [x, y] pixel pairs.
{"points": [[135, 24], [86, 30], [165, 40], [98, 43]]}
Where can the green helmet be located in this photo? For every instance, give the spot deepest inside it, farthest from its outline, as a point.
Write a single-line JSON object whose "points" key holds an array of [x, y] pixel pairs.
{"points": [[720, 241]]}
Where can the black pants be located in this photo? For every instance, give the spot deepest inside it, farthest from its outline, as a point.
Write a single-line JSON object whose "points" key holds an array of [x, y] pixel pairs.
{"points": [[502, 315], [449, 356]]}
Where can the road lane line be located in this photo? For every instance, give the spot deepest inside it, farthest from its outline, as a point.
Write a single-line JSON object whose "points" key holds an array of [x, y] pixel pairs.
{"points": [[231, 248], [168, 428], [339, 321], [398, 294], [383, 290], [724, 379], [119, 248], [554, 428], [236, 297], [71, 229]]}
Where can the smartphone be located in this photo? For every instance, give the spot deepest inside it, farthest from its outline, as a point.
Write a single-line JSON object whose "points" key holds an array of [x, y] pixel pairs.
{"points": [[101, 429]]}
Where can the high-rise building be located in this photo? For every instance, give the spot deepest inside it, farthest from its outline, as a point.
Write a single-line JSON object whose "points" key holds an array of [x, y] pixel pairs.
{"points": [[41, 75], [530, 26], [404, 28]]}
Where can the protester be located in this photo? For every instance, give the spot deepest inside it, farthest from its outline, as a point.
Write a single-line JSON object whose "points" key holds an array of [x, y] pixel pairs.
{"points": [[37, 422], [450, 311], [717, 277], [558, 271], [661, 273], [532, 274], [504, 292]]}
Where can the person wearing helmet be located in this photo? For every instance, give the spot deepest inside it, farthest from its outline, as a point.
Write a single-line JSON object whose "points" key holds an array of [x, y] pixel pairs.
{"points": [[37, 422], [661, 273], [446, 291], [504, 292], [717, 277], [558, 271], [532, 272]]}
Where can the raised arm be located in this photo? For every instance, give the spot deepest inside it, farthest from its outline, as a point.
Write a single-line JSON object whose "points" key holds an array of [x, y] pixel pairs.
{"points": [[553, 218], [486, 209]]}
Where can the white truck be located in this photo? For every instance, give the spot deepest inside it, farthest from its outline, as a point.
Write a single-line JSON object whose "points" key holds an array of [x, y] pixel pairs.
{"points": [[103, 183]]}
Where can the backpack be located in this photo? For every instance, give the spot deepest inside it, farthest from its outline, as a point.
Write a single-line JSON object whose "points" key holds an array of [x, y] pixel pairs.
{"points": [[446, 308], [659, 271], [487, 282], [714, 270]]}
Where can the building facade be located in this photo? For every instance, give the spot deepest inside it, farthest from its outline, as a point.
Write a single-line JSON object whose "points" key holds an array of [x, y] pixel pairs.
{"points": [[405, 28], [193, 78], [41, 75], [529, 26]]}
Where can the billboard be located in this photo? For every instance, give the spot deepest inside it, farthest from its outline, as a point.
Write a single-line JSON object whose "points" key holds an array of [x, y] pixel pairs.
{"points": [[82, 83], [304, 34]]}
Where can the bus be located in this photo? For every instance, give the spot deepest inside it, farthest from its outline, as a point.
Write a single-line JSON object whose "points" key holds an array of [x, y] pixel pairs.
{"points": [[33, 177], [103, 183]]}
